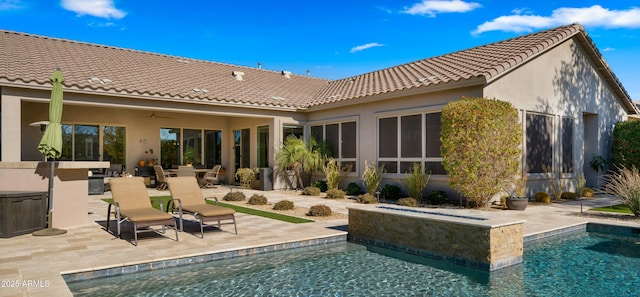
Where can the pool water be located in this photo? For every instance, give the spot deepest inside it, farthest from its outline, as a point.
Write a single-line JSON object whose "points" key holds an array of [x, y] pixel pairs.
{"points": [[579, 265]]}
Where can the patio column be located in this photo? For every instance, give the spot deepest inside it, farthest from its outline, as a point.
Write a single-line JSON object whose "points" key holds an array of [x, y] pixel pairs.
{"points": [[11, 128]]}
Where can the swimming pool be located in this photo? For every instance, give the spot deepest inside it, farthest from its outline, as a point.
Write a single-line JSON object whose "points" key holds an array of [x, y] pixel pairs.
{"points": [[588, 264]]}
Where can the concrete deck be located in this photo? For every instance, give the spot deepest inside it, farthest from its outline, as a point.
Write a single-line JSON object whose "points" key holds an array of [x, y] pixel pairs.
{"points": [[32, 266]]}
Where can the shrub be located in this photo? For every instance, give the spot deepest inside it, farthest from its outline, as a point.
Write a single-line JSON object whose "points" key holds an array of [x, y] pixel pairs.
{"points": [[625, 184], [335, 194], [320, 184], [256, 199], [234, 196], [353, 189], [503, 200], [569, 195], [319, 211], [311, 191], [417, 181], [554, 183], [367, 199], [283, 205], [625, 150], [372, 176], [334, 173], [246, 176], [391, 192], [587, 192], [408, 202], [438, 197], [481, 147], [543, 197]]}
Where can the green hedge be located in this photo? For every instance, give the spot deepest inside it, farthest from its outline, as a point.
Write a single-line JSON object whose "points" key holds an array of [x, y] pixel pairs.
{"points": [[626, 144], [481, 147]]}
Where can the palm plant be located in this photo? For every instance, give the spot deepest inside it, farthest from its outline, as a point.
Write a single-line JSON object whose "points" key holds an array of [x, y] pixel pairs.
{"points": [[298, 156]]}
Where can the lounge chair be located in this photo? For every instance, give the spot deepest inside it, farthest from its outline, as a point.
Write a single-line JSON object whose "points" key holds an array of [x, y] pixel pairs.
{"points": [[212, 177], [132, 203], [189, 198]]}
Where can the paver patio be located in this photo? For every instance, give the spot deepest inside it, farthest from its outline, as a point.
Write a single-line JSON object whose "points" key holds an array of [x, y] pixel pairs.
{"points": [[32, 266]]}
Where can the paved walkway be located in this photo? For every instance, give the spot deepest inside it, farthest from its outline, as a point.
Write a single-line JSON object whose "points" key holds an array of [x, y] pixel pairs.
{"points": [[32, 266]]}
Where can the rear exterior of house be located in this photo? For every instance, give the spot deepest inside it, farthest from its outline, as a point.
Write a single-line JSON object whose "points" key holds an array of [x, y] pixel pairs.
{"points": [[121, 103]]}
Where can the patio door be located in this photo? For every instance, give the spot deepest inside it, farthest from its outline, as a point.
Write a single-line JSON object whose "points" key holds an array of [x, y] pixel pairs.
{"points": [[241, 149]]}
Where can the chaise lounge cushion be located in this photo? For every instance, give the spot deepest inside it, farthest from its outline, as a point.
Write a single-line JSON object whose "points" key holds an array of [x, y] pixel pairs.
{"points": [[145, 214], [209, 210]]}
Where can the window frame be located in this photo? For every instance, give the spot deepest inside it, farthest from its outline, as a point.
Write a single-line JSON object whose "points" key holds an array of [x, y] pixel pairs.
{"points": [[339, 155], [403, 163], [71, 147], [551, 136]]}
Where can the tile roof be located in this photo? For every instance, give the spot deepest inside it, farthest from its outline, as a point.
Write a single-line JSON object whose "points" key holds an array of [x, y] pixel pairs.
{"points": [[486, 63], [30, 59]]}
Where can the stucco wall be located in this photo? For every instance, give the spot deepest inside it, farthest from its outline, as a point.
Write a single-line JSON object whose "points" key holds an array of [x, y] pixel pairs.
{"points": [[366, 115], [564, 82]]}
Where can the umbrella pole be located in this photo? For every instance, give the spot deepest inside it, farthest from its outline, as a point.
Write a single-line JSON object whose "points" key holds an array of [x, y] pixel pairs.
{"points": [[49, 231]]}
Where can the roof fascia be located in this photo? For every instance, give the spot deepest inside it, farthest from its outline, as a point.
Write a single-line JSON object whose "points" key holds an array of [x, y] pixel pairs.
{"points": [[75, 90]]}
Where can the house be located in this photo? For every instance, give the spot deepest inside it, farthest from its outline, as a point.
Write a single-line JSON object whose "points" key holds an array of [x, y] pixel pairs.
{"points": [[120, 103]]}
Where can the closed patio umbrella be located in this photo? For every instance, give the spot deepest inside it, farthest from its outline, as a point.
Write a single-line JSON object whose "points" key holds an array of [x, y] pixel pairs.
{"points": [[51, 145]]}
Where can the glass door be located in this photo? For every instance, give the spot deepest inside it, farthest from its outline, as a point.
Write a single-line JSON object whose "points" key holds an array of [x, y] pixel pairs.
{"points": [[241, 149]]}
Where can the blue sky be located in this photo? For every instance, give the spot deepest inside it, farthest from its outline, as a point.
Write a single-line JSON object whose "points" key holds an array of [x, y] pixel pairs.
{"points": [[332, 39]]}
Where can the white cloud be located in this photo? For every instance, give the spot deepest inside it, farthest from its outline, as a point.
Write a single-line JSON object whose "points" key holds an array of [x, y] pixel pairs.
{"points": [[97, 8], [608, 49], [432, 7], [594, 16], [364, 47], [11, 5]]}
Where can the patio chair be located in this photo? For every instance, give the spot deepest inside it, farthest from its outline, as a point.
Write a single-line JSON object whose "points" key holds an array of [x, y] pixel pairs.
{"points": [[132, 203], [212, 177], [186, 192], [161, 177], [186, 171]]}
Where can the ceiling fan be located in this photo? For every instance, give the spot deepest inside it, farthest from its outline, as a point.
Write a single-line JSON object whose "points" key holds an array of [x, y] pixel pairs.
{"points": [[153, 115]]}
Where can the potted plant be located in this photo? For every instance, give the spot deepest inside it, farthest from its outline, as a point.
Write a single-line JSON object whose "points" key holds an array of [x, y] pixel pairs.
{"points": [[150, 160], [517, 200], [187, 158]]}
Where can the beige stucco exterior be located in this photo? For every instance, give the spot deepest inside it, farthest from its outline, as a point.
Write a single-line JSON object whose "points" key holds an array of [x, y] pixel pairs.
{"points": [[563, 81]]}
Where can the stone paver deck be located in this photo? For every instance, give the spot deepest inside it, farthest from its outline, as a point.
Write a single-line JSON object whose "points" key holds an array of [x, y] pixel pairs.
{"points": [[32, 266]]}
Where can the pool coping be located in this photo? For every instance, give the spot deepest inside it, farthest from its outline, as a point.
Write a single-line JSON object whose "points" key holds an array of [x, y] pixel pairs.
{"points": [[183, 260]]}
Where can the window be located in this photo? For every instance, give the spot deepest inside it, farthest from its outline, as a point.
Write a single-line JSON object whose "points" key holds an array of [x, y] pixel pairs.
{"points": [[388, 137], [404, 140], [567, 145], [212, 148], [82, 142], [263, 146], [170, 147], [114, 144], [539, 132], [297, 131], [341, 138], [183, 146], [192, 146]]}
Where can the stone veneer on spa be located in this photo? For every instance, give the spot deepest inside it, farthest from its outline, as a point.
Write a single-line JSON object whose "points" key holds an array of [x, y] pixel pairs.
{"points": [[472, 242]]}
